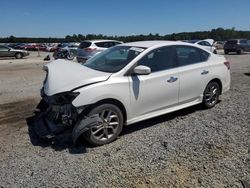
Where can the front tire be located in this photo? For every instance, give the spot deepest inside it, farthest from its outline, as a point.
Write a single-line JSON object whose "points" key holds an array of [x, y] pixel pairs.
{"points": [[211, 95], [19, 55], [111, 127], [240, 51]]}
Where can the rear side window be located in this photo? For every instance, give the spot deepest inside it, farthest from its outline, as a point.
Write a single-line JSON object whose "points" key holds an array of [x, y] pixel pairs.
{"points": [[101, 44], [106, 44], [204, 43], [188, 55], [204, 55], [84, 45]]}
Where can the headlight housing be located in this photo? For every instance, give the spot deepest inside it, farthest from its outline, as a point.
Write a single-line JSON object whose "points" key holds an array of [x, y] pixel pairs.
{"points": [[63, 98]]}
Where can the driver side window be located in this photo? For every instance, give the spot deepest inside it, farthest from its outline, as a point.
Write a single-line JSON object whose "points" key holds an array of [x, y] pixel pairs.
{"points": [[160, 59]]}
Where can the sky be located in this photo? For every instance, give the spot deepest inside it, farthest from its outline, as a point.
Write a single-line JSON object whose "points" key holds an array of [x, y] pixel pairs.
{"points": [[58, 18]]}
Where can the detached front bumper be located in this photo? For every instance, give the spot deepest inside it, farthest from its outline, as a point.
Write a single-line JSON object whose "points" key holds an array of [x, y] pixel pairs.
{"points": [[55, 120]]}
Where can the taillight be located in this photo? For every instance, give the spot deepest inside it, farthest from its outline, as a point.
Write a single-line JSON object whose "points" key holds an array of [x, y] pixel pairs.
{"points": [[89, 49], [227, 65]]}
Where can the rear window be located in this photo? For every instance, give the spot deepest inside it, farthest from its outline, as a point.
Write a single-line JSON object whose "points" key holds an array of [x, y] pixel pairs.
{"points": [[106, 44], [231, 42], [84, 45]]}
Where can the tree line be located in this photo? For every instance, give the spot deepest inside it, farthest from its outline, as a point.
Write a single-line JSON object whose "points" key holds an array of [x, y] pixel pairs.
{"points": [[218, 34]]}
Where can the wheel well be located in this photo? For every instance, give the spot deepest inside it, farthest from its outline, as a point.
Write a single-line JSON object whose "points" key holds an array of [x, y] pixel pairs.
{"points": [[109, 101], [219, 82], [18, 53]]}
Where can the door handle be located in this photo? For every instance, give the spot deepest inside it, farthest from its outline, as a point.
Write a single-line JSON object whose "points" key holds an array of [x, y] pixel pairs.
{"points": [[172, 79], [204, 72]]}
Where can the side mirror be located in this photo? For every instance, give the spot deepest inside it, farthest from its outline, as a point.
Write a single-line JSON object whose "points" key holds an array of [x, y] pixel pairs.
{"points": [[142, 70]]}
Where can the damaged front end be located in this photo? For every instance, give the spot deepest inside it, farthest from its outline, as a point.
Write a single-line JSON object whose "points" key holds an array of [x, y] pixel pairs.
{"points": [[57, 115]]}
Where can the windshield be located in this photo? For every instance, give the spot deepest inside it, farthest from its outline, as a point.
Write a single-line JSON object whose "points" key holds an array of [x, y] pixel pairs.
{"points": [[113, 59]]}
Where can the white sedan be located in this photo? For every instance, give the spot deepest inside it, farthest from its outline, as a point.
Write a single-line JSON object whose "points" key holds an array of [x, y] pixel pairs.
{"points": [[126, 84], [206, 44]]}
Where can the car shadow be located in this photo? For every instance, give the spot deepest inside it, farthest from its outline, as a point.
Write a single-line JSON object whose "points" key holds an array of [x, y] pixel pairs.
{"points": [[60, 143], [163, 118], [64, 141]]}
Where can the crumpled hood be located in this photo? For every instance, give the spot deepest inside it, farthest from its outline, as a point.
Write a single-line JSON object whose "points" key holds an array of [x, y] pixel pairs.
{"points": [[65, 76]]}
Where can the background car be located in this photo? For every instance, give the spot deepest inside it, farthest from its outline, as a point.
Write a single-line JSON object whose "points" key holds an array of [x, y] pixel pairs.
{"points": [[128, 83], [207, 44], [237, 45], [89, 48], [6, 51], [219, 44]]}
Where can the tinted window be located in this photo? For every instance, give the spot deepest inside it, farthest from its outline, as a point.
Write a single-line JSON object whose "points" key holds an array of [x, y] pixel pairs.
{"points": [[84, 45], [100, 44], [187, 55], [116, 43], [204, 43], [160, 59], [105, 44], [204, 55]]}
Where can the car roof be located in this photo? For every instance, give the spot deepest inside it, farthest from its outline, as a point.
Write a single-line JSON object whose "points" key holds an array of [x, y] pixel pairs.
{"points": [[148, 44], [100, 40]]}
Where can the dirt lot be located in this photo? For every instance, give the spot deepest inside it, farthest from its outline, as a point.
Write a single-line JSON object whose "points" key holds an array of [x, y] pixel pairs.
{"points": [[188, 148]]}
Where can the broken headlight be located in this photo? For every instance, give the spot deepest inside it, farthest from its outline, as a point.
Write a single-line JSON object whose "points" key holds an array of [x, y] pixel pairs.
{"points": [[63, 98]]}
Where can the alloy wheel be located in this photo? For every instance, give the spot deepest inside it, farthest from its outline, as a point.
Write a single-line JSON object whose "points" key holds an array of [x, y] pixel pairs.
{"points": [[109, 126], [212, 94]]}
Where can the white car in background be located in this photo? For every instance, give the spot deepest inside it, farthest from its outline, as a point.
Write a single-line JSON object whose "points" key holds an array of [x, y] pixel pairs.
{"points": [[206, 44], [125, 84], [90, 48]]}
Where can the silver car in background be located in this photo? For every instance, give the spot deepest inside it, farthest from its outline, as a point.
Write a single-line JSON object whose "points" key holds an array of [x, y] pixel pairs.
{"points": [[6, 51], [89, 48]]}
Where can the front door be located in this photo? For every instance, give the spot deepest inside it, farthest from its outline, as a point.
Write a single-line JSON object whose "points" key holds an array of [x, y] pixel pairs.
{"points": [[158, 90]]}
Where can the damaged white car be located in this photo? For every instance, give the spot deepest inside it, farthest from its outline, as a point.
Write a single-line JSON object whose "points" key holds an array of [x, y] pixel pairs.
{"points": [[126, 84]]}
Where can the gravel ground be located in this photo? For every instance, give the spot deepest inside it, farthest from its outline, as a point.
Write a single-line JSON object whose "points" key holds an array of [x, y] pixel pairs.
{"points": [[189, 148]]}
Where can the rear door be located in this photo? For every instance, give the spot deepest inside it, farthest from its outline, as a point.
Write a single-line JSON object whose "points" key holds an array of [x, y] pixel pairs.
{"points": [[194, 72]]}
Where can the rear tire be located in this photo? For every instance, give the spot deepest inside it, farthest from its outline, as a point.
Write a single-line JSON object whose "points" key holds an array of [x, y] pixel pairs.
{"points": [[215, 51], [211, 94], [19, 55], [240, 51], [225, 52], [111, 127]]}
